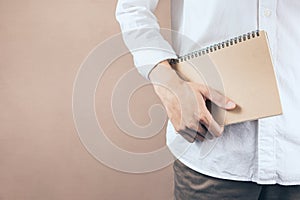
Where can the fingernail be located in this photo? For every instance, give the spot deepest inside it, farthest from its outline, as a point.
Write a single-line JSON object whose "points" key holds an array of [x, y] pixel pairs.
{"points": [[230, 105]]}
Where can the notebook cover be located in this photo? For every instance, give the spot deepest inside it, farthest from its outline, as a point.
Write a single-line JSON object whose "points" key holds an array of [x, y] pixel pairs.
{"points": [[244, 73]]}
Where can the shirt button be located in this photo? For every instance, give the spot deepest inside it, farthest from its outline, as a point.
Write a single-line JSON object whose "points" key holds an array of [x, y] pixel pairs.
{"points": [[267, 13]]}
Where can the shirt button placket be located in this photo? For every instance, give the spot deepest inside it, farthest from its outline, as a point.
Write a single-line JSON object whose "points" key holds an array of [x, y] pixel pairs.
{"points": [[266, 148]]}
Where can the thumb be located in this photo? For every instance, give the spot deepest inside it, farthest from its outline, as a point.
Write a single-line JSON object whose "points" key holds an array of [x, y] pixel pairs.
{"points": [[217, 98]]}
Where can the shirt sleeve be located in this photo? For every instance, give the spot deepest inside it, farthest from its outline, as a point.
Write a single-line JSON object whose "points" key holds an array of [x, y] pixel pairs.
{"points": [[141, 34]]}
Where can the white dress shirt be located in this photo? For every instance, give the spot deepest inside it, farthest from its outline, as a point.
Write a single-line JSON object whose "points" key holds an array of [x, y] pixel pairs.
{"points": [[265, 151]]}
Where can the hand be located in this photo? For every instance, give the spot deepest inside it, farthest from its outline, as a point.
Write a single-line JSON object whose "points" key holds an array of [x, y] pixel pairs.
{"points": [[185, 103]]}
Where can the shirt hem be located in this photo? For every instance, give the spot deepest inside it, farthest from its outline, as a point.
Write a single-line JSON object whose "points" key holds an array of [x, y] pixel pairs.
{"points": [[244, 179]]}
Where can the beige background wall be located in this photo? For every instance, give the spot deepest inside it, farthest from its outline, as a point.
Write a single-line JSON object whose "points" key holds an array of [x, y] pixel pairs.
{"points": [[43, 43]]}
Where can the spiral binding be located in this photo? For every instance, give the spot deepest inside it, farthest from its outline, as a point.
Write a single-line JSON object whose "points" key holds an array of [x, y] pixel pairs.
{"points": [[215, 47]]}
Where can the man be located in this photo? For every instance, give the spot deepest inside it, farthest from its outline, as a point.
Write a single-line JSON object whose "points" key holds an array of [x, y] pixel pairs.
{"points": [[251, 160]]}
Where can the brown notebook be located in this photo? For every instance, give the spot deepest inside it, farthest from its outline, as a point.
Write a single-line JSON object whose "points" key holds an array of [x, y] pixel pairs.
{"points": [[241, 69]]}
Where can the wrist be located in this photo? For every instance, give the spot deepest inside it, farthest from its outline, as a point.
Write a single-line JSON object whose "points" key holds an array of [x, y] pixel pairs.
{"points": [[165, 79], [164, 74]]}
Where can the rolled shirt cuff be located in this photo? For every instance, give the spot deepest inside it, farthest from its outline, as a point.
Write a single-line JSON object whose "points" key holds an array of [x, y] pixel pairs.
{"points": [[147, 58]]}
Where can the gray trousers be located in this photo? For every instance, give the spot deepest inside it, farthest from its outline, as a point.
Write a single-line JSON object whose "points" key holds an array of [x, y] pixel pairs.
{"points": [[192, 185]]}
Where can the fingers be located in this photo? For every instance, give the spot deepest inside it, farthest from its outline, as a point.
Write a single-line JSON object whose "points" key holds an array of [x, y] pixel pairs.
{"points": [[204, 117], [192, 100], [195, 131], [191, 135], [212, 126], [200, 129], [217, 98]]}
